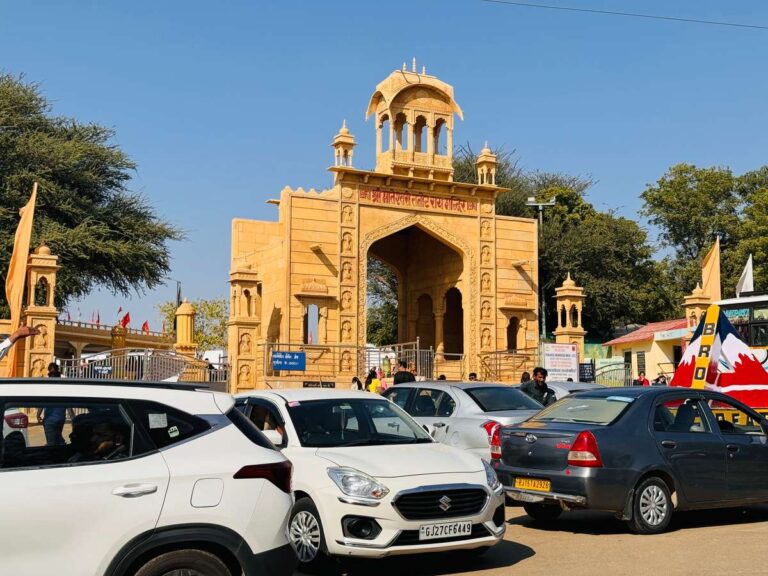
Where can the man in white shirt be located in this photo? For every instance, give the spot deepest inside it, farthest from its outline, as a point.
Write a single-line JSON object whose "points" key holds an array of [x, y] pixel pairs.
{"points": [[22, 332]]}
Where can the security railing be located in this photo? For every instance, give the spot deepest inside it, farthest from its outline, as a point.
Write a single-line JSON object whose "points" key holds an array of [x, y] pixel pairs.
{"points": [[614, 375], [508, 365], [145, 365]]}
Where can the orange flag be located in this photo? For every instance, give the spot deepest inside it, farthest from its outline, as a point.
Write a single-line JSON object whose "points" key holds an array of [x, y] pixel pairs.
{"points": [[17, 272], [710, 272]]}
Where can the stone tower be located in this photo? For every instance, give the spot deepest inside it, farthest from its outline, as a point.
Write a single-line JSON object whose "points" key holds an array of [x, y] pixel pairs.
{"points": [[343, 143], [486, 166], [185, 329], [414, 125], [696, 304], [41, 311], [570, 299]]}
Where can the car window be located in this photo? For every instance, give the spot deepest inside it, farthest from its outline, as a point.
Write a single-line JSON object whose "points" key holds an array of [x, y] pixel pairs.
{"points": [[426, 402], [166, 425], [248, 429], [601, 410], [446, 406], [65, 432], [501, 398], [679, 415], [733, 420], [399, 395]]}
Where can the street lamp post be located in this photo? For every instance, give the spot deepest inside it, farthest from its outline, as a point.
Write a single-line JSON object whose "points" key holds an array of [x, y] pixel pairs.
{"points": [[542, 300]]}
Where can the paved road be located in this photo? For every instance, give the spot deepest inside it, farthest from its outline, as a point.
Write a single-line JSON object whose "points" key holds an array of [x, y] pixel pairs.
{"points": [[729, 541]]}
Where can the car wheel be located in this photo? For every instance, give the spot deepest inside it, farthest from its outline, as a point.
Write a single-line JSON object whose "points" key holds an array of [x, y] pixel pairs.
{"points": [[305, 533], [652, 507], [184, 563], [542, 512]]}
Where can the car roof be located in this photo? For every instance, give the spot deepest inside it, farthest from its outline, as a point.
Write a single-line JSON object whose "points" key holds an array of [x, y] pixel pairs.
{"points": [[631, 391], [572, 385], [189, 397], [306, 394], [443, 384]]}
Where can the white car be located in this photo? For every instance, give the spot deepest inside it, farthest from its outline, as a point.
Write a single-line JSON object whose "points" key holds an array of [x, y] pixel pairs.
{"points": [[370, 482], [145, 480], [468, 415]]}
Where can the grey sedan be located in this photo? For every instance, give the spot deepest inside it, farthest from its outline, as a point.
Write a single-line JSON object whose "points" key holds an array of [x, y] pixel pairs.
{"points": [[638, 452], [468, 415]]}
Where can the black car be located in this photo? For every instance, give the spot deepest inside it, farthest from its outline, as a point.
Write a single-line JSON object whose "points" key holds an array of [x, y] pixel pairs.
{"points": [[638, 452]]}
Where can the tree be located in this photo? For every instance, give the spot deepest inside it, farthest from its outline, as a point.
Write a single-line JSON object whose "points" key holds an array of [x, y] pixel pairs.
{"points": [[103, 234], [381, 303], [606, 254], [692, 205], [210, 321]]}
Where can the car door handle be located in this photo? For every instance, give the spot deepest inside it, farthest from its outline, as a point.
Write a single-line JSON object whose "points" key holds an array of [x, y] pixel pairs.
{"points": [[732, 447], [134, 490], [439, 425], [668, 444]]}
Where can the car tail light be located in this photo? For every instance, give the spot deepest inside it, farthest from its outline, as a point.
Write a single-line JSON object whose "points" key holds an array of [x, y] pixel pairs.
{"points": [[17, 420], [493, 429], [279, 473], [584, 451]]}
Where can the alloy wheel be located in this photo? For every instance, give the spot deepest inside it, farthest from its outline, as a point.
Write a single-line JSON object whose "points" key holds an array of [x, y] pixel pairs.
{"points": [[653, 505], [304, 535]]}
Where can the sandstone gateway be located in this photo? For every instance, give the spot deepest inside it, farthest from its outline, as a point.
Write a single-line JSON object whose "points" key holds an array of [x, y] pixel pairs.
{"points": [[467, 278]]}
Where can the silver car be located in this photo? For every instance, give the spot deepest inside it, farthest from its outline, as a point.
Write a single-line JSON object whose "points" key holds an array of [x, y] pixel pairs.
{"points": [[467, 415]]}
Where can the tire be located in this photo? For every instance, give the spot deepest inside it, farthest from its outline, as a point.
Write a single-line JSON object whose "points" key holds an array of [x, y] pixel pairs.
{"points": [[542, 512], [651, 507], [306, 536], [178, 562]]}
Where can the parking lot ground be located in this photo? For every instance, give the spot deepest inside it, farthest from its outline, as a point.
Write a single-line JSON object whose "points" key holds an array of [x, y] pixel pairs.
{"points": [[727, 541]]}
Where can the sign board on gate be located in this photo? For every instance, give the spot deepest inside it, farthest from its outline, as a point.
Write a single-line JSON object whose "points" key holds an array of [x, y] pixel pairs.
{"points": [[318, 384], [587, 372], [561, 361], [289, 361]]}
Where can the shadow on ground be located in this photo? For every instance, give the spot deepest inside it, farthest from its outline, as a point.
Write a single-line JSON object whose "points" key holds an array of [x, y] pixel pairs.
{"points": [[503, 555], [596, 523]]}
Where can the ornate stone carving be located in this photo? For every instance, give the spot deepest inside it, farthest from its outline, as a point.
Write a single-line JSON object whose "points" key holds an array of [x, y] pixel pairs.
{"points": [[314, 286], [346, 300], [346, 243], [486, 339], [485, 310], [485, 283], [38, 368], [485, 229], [244, 375], [485, 255], [346, 361], [346, 214], [244, 346], [346, 272], [346, 331]]}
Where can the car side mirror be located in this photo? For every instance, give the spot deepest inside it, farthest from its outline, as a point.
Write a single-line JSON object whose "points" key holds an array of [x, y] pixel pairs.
{"points": [[274, 436]]}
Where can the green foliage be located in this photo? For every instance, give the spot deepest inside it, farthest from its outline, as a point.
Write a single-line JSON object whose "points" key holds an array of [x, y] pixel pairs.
{"points": [[382, 324], [210, 321], [692, 205], [381, 299], [103, 234]]}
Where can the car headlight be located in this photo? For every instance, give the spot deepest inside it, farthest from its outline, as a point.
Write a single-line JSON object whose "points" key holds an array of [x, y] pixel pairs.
{"points": [[490, 477], [358, 484]]}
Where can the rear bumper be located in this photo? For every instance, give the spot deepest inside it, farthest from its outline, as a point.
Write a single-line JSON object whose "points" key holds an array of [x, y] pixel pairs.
{"points": [[593, 488], [276, 562]]}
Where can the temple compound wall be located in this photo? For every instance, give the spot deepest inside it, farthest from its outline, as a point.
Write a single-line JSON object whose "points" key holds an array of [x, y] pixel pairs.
{"points": [[466, 278]]}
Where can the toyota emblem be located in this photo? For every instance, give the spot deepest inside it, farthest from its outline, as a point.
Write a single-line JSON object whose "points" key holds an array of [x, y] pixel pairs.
{"points": [[445, 503], [530, 438]]}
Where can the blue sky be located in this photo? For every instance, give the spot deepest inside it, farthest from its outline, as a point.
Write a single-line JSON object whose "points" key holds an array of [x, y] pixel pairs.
{"points": [[224, 103]]}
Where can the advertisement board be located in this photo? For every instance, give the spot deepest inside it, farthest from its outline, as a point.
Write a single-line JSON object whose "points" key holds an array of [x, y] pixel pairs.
{"points": [[561, 361]]}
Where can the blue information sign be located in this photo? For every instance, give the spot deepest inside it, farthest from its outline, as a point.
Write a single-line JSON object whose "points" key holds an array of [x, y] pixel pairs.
{"points": [[289, 361]]}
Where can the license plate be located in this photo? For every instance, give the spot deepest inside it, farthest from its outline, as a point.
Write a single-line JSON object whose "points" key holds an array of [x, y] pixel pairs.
{"points": [[533, 484], [448, 530]]}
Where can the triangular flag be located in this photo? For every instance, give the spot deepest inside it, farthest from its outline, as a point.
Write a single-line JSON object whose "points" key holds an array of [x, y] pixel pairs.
{"points": [[126, 320], [747, 280], [145, 327], [98, 318], [710, 272], [17, 273]]}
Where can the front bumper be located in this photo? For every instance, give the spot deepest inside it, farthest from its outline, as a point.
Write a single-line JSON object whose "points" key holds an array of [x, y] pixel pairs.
{"points": [[401, 536]]}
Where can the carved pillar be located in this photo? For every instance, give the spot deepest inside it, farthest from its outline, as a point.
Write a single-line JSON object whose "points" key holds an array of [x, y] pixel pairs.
{"points": [[439, 341]]}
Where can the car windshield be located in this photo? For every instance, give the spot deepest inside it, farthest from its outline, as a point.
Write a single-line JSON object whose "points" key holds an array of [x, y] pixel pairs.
{"points": [[501, 398], [600, 411], [353, 422]]}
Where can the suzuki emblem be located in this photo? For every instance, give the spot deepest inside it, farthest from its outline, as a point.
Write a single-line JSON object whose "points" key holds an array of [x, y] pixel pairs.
{"points": [[530, 438], [445, 503]]}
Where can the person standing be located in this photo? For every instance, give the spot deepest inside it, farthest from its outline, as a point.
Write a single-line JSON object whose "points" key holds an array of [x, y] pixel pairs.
{"points": [[473, 377], [403, 375], [641, 380], [53, 417], [356, 384], [526, 377], [21, 333], [538, 389]]}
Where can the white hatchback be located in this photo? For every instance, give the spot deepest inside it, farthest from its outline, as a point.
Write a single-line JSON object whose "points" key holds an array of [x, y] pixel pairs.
{"points": [[139, 479], [370, 482]]}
